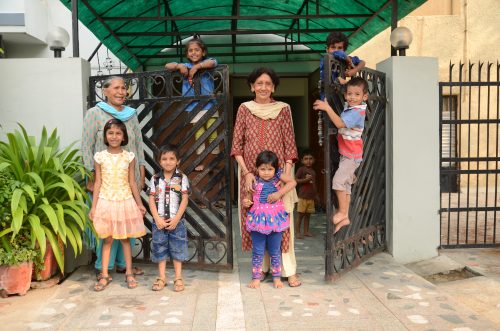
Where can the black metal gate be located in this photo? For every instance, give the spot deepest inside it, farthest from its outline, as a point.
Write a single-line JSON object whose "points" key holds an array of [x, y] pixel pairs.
{"points": [[365, 236], [161, 110], [469, 132]]}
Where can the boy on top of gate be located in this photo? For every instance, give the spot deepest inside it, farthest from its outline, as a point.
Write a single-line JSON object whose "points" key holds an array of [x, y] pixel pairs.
{"points": [[336, 45], [350, 126]]}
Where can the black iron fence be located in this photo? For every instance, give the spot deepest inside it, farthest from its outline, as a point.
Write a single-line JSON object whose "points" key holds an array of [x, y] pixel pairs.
{"points": [[163, 118], [366, 234], [469, 118]]}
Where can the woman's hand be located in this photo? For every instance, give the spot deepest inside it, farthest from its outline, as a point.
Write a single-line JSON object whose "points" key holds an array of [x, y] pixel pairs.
{"points": [[249, 181], [273, 197], [246, 203]]}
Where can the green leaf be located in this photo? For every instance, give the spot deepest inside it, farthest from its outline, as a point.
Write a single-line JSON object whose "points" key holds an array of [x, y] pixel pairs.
{"points": [[62, 222], [16, 196], [75, 217], [38, 181], [17, 220], [75, 239], [5, 231], [4, 165], [55, 247], [37, 229], [30, 192], [51, 215]]}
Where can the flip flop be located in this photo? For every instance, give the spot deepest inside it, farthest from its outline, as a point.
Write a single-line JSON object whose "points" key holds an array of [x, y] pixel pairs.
{"points": [[293, 281]]}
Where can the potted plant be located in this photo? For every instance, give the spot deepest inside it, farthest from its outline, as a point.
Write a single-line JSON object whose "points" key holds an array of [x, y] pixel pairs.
{"points": [[48, 200], [16, 265], [16, 257]]}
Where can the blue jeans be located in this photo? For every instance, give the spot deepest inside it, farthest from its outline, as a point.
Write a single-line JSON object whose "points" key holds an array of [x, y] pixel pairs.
{"points": [[260, 242], [171, 244]]}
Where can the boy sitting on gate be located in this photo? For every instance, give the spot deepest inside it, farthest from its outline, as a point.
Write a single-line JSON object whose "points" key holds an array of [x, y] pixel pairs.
{"points": [[350, 126], [336, 45]]}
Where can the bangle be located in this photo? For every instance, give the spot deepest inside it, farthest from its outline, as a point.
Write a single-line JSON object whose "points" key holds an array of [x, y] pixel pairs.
{"points": [[201, 65], [289, 162], [246, 173]]}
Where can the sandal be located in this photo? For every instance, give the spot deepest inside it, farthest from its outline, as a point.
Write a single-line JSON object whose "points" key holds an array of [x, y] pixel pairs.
{"points": [[135, 270], [130, 280], [99, 275], [293, 281], [98, 287], [178, 285], [159, 284]]}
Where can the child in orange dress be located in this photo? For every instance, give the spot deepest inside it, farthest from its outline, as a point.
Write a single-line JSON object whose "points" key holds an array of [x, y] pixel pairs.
{"points": [[117, 209]]}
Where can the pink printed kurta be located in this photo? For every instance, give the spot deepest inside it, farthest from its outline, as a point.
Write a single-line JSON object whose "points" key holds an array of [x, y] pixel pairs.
{"points": [[253, 135]]}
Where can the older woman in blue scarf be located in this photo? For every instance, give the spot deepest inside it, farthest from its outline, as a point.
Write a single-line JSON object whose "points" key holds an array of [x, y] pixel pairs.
{"points": [[115, 93]]}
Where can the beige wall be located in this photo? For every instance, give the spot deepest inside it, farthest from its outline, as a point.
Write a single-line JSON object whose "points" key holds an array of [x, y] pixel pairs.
{"points": [[469, 30], [455, 31]]}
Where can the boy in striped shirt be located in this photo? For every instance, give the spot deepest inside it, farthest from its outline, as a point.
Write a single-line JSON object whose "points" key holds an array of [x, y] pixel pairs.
{"points": [[350, 124]]}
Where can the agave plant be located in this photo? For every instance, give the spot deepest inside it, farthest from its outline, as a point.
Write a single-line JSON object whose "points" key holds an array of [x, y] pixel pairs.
{"points": [[48, 198]]}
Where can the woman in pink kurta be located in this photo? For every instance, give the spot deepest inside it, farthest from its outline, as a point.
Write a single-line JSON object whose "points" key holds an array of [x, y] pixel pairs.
{"points": [[265, 124]]}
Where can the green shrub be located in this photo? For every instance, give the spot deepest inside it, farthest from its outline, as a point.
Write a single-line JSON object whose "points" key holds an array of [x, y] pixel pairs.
{"points": [[48, 198]]}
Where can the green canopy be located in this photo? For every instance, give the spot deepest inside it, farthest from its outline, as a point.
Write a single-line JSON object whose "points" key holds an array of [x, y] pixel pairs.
{"points": [[151, 32]]}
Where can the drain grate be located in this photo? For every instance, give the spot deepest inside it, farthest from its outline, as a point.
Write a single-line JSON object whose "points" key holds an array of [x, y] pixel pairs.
{"points": [[452, 275]]}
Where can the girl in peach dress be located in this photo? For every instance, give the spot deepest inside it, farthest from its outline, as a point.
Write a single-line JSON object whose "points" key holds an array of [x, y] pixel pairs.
{"points": [[117, 209]]}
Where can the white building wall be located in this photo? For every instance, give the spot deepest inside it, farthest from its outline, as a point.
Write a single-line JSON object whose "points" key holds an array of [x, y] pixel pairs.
{"points": [[40, 16], [44, 92]]}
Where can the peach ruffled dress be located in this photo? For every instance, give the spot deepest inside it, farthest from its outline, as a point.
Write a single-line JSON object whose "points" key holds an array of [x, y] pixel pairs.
{"points": [[116, 214]]}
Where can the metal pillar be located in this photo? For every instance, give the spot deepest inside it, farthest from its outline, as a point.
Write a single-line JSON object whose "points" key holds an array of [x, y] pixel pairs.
{"points": [[74, 17]]}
